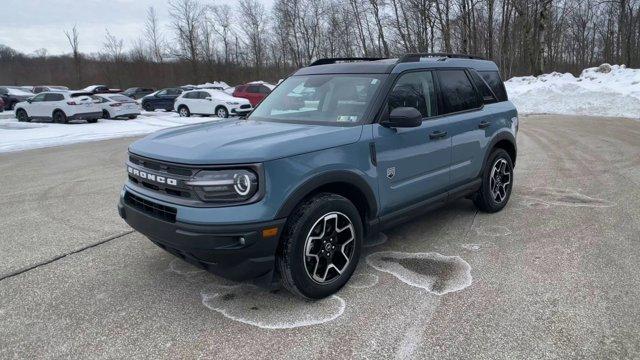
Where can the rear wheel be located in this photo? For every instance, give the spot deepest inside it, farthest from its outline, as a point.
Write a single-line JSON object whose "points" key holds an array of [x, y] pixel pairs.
{"points": [[184, 111], [131, 117], [497, 182], [320, 246], [92, 121], [222, 112], [60, 117], [21, 114], [105, 114], [147, 107]]}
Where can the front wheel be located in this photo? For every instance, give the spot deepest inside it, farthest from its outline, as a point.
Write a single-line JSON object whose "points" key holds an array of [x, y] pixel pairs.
{"points": [[105, 114], [148, 107], [497, 182], [320, 246], [22, 115], [222, 112]]}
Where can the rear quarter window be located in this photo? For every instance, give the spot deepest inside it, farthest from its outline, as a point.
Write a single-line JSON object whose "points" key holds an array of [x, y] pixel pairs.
{"points": [[495, 83], [487, 95], [457, 92]]}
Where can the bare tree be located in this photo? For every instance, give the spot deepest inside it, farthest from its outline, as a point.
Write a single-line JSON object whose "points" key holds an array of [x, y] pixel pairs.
{"points": [[187, 16], [72, 37], [153, 35]]}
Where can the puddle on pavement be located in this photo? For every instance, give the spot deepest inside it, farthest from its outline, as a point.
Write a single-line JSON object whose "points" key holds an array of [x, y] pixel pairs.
{"points": [[277, 309], [565, 197], [436, 273]]}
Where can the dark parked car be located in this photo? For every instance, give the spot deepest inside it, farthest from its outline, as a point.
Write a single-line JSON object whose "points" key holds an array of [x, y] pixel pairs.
{"points": [[43, 88], [254, 92], [137, 92], [162, 99], [11, 95]]}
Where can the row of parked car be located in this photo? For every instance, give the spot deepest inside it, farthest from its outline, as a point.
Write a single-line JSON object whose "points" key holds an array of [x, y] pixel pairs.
{"points": [[60, 104]]}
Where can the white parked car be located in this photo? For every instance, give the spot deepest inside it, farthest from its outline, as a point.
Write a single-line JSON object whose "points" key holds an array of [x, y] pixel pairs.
{"points": [[116, 105], [59, 106], [211, 102]]}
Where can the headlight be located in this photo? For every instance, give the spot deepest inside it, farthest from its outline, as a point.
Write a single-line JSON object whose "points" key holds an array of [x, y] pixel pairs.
{"points": [[232, 103], [225, 186]]}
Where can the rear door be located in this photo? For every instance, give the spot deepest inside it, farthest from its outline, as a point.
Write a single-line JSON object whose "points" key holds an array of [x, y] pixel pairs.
{"points": [[51, 102], [413, 163], [463, 109]]}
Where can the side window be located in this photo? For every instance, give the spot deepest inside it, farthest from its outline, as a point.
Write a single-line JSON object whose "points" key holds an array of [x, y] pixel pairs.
{"points": [[162, 93], [204, 95], [495, 83], [38, 98], [253, 89], [53, 97], [4, 91], [174, 92], [457, 91], [264, 90], [415, 89], [487, 95]]}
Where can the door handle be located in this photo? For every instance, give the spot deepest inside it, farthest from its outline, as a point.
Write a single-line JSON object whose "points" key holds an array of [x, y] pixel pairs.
{"points": [[438, 134], [484, 124]]}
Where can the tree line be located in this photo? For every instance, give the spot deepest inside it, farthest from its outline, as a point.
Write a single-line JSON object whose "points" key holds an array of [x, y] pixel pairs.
{"points": [[207, 41]]}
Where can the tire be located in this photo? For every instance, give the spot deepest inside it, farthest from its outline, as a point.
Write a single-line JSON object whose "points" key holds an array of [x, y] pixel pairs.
{"points": [[497, 182], [133, 117], [92, 121], [183, 111], [22, 115], [60, 117], [307, 250], [147, 107], [105, 114], [222, 112]]}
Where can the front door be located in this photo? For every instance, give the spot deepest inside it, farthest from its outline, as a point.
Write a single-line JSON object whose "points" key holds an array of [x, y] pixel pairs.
{"points": [[413, 163]]}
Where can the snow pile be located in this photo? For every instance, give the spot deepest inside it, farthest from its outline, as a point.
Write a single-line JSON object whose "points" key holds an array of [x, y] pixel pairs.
{"points": [[607, 90], [15, 136]]}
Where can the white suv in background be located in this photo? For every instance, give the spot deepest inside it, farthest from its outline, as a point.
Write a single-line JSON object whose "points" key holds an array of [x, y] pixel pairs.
{"points": [[117, 105], [59, 106], [211, 102]]}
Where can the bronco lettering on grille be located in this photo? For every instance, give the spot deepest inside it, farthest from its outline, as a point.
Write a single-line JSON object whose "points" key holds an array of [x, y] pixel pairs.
{"points": [[152, 177]]}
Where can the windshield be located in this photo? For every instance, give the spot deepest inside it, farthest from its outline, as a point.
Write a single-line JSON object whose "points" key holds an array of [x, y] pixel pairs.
{"points": [[324, 99]]}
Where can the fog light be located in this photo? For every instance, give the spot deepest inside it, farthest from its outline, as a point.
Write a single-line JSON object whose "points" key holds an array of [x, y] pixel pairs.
{"points": [[242, 241]]}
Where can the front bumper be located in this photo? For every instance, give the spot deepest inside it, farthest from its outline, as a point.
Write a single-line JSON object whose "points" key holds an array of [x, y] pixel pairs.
{"points": [[237, 252], [241, 112], [84, 116]]}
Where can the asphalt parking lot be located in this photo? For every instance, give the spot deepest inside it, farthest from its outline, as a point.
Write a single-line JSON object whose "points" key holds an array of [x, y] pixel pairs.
{"points": [[554, 275]]}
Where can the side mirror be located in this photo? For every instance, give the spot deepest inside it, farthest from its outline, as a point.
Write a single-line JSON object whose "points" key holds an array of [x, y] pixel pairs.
{"points": [[29, 101], [208, 98], [403, 117]]}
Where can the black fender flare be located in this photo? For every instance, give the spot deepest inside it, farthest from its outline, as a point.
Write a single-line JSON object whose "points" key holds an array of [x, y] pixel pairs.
{"points": [[503, 135], [328, 177]]}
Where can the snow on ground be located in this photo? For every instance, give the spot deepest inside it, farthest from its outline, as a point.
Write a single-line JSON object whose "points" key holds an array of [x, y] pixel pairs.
{"points": [[15, 136], [607, 90]]}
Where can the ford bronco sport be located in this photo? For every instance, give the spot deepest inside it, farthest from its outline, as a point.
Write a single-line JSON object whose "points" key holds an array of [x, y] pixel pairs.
{"points": [[340, 150]]}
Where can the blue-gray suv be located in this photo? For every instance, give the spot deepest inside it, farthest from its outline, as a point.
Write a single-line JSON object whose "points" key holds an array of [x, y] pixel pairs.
{"points": [[340, 150]]}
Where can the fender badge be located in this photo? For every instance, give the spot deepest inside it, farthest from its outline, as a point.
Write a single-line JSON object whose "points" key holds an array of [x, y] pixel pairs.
{"points": [[391, 172]]}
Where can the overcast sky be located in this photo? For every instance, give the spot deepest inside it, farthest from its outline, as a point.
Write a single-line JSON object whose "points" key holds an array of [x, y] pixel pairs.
{"points": [[28, 25]]}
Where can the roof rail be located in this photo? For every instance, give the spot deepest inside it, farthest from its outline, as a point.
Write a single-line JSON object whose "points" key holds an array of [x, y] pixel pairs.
{"points": [[326, 61], [417, 56]]}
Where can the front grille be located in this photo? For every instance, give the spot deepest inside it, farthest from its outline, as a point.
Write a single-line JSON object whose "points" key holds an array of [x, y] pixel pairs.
{"points": [[151, 208], [245, 106], [180, 173]]}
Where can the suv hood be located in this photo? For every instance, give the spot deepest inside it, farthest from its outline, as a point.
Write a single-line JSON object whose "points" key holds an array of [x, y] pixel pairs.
{"points": [[241, 141]]}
